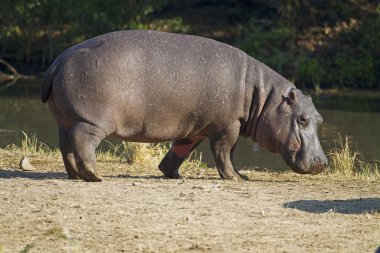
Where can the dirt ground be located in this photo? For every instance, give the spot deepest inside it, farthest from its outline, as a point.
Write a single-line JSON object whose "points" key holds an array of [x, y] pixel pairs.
{"points": [[41, 211]]}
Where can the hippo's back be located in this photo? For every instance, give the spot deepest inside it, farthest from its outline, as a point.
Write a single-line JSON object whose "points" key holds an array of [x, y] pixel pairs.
{"points": [[133, 82]]}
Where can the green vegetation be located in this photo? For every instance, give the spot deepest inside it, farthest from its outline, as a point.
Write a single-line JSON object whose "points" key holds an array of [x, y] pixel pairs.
{"points": [[316, 44], [30, 145], [320, 43], [143, 159]]}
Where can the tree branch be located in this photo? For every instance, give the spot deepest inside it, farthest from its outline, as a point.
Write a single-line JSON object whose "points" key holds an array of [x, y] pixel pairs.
{"points": [[10, 79], [10, 67]]}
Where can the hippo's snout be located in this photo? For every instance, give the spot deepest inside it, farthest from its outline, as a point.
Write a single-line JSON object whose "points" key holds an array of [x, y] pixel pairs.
{"points": [[318, 164], [314, 165]]}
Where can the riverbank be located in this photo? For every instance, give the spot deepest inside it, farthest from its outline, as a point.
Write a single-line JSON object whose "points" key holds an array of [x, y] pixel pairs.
{"points": [[137, 210]]}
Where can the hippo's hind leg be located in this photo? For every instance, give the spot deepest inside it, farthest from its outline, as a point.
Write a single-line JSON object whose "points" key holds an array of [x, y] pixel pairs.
{"points": [[84, 140], [222, 147], [67, 153], [177, 154]]}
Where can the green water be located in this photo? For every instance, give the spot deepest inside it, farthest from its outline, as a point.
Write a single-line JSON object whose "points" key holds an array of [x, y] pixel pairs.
{"points": [[355, 114]]}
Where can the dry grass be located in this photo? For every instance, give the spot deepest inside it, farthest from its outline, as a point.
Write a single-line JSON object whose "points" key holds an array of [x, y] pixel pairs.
{"points": [[143, 159], [348, 163], [343, 159], [126, 158], [368, 171]]}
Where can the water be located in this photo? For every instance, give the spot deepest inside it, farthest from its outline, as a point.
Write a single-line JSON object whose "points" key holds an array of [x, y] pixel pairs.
{"points": [[353, 114]]}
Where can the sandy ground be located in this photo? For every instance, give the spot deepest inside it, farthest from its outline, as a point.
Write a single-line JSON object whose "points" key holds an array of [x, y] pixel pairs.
{"points": [[133, 212]]}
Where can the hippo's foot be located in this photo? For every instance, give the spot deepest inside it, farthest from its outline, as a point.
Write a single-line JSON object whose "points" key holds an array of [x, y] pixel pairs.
{"points": [[234, 176], [243, 177], [177, 154], [74, 175], [170, 165], [169, 173], [71, 168], [87, 173]]}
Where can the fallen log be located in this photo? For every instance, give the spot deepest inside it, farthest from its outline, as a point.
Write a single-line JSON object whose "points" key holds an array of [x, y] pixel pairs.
{"points": [[8, 79]]}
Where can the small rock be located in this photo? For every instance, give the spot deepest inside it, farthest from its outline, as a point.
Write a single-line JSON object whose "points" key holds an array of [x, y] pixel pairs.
{"points": [[25, 164], [216, 186]]}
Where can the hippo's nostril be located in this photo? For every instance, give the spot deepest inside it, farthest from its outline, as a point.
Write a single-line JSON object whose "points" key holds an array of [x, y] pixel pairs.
{"points": [[320, 161]]}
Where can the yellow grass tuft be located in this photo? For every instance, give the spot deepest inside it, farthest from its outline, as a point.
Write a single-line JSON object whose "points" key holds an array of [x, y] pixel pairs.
{"points": [[145, 153], [368, 171], [346, 162], [342, 158]]}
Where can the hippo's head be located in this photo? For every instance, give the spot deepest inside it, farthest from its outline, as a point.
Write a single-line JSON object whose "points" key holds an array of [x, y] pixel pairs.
{"points": [[289, 127]]}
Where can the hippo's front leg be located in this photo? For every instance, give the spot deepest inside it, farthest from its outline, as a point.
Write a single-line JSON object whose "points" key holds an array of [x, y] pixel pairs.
{"points": [[177, 154], [222, 147]]}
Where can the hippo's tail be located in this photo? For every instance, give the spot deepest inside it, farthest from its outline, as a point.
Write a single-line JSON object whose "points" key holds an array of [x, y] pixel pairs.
{"points": [[47, 83]]}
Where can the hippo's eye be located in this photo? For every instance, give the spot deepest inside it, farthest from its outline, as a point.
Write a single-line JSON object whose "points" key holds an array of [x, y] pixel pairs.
{"points": [[303, 120]]}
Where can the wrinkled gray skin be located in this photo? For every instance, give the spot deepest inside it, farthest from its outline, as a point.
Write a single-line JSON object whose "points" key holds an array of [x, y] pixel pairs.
{"points": [[148, 86]]}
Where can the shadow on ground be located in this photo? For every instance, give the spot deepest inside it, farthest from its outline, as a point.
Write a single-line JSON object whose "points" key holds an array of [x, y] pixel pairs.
{"points": [[162, 177], [8, 174], [135, 176], [349, 206]]}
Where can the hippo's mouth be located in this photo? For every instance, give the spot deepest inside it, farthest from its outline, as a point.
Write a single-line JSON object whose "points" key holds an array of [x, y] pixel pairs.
{"points": [[295, 159], [298, 163], [301, 161]]}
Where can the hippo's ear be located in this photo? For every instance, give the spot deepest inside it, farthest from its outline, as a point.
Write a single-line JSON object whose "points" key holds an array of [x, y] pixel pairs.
{"points": [[292, 95]]}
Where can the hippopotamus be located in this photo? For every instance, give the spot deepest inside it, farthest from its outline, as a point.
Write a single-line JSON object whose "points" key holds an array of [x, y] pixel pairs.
{"points": [[150, 86]]}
